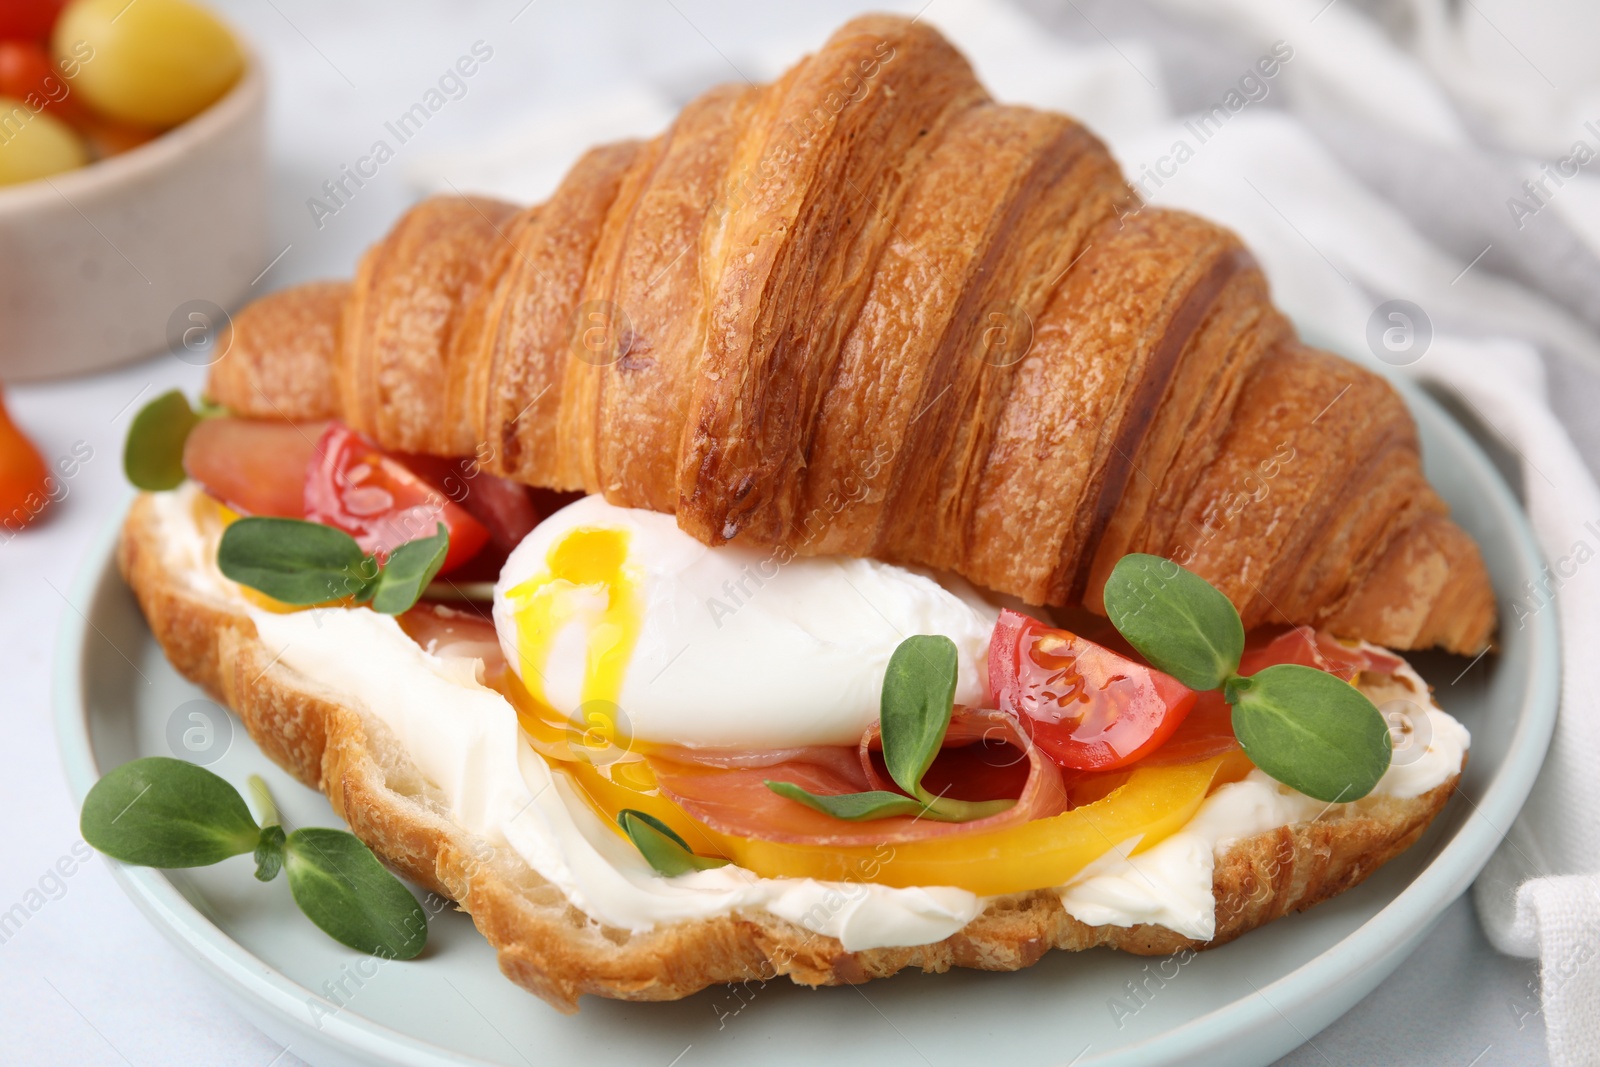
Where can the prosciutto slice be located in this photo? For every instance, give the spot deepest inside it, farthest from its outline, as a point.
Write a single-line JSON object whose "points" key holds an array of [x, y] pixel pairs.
{"points": [[1319, 649], [983, 750]]}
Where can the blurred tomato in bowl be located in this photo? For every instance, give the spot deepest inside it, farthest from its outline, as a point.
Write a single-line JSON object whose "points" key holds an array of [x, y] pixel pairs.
{"points": [[132, 180]]}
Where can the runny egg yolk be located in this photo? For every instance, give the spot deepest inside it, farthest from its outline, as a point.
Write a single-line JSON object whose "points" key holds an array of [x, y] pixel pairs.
{"points": [[585, 561]]}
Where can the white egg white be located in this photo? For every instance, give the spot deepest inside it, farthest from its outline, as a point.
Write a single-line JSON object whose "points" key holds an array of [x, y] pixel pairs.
{"points": [[737, 648]]}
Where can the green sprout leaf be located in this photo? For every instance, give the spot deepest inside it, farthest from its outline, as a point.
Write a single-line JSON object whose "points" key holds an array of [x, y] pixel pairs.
{"points": [[305, 563], [919, 692], [882, 804], [660, 845], [295, 561], [152, 458], [1308, 729], [163, 812], [353, 898], [854, 807], [409, 570], [269, 852], [1311, 731], [919, 689], [269, 849], [1176, 619]]}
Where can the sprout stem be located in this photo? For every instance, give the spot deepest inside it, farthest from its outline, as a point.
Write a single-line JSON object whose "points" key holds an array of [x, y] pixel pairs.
{"points": [[263, 798]]}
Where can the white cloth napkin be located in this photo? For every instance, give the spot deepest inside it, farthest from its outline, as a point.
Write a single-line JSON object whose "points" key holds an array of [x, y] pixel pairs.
{"points": [[1540, 895], [1348, 176]]}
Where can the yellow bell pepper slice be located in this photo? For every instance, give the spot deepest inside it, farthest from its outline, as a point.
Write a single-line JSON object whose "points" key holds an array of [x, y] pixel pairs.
{"points": [[213, 516], [1151, 805], [616, 786]]}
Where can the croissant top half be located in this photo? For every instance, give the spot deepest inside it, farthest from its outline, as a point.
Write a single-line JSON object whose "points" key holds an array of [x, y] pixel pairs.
{"points": [[867, 310]]}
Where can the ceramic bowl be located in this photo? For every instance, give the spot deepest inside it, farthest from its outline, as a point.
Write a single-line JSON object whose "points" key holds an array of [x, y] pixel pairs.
{"points": [[113, 262]]}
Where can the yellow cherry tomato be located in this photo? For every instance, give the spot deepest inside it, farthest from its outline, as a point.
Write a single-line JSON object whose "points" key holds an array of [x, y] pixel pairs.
{"points": [[34, 145], [151, 62]]}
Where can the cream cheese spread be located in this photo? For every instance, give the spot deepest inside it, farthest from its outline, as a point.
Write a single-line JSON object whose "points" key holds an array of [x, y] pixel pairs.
{"points": [[466, 741]]}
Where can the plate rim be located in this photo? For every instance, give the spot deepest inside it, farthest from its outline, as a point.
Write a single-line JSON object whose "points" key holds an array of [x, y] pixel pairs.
{"points": [[250, 980], [255, 984]]}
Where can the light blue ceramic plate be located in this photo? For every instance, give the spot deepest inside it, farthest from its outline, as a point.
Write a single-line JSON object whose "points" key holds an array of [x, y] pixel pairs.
{"points": [[1246, 1003]]}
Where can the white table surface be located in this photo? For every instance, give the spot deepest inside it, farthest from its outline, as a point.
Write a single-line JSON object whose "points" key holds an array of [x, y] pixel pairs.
{"points": [[86, 980]]}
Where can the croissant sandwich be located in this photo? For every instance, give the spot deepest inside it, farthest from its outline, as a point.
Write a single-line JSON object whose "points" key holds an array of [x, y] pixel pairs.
{"points": [[900, 538]]}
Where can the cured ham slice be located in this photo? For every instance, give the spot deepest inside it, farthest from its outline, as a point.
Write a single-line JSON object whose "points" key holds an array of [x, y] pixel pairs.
{"points": [[733, 798]]}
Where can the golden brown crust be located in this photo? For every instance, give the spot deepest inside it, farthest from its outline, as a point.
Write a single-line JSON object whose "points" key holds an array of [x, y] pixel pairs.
{"points": [[866, 310], [1316, 510], [831, 157], [536, 333], [278, 355], [553, 950], [407, 303], [653, 312]]}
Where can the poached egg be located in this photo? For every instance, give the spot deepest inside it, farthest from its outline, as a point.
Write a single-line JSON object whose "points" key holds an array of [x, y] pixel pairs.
{"points": [[614, 616]]}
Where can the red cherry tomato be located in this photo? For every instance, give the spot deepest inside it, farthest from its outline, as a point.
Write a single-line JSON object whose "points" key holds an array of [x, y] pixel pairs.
{"points": [[26, 74], [28, 20], [24, 478], [253, 466], [1086, 706], [356, 486]]}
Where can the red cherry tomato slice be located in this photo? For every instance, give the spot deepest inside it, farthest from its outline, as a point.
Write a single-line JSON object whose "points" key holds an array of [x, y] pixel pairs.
{"points": [[254, 466], [1086, 706], [357, 487]]}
